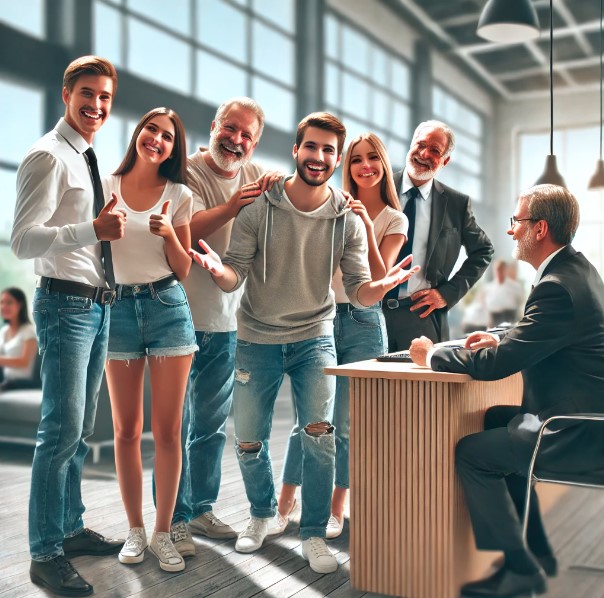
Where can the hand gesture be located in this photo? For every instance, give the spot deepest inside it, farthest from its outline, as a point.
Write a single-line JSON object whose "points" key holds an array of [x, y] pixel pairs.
{"points": [[359, 209], [429, 298], [209, 260], [481, 340], [244, 196], [160, 224], [109, 224], [397, 275]]}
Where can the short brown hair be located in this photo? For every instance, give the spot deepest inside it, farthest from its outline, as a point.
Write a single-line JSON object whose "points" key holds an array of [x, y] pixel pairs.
{"points": [[325, 121], [387, 187], [174, 169], [557, 206], [89, 65]]}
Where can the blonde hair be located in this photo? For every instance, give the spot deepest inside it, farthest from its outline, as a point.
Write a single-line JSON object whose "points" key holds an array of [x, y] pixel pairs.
{"points": [[387, 187]]}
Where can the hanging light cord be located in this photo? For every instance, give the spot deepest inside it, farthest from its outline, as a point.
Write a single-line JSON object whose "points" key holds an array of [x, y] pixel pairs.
{"points": [[601, 72], [551, 78]]}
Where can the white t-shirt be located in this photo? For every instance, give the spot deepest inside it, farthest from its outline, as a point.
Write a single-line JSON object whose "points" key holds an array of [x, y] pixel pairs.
{"points": [[213, 310], [14, 348], [139, 256], [388, 222]]}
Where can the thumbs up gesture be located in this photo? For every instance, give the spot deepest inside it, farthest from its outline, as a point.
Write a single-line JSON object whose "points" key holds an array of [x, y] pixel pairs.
{"points": [[161, 224], [109, 224]]}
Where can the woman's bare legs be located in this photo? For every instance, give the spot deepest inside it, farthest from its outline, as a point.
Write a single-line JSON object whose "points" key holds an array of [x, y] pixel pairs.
{"points": [[125, 382], [169, 377], [338, 502]]}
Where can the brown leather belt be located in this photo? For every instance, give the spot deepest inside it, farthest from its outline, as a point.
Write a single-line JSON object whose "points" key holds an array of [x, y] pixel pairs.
{"points": [[99, 295]]}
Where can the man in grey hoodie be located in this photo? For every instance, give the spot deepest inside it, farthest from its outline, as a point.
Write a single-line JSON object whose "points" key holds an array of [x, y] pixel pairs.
{"points": [[288, 244]]}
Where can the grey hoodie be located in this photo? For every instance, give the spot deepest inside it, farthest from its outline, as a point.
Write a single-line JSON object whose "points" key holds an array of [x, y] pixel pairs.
{"points": [[288, 259]]}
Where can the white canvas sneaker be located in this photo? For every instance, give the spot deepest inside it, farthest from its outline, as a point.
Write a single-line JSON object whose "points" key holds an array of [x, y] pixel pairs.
{"points": [[133, 551], [169, 558], [319, 557], [252, 537], [334, 527], [182, 539]]}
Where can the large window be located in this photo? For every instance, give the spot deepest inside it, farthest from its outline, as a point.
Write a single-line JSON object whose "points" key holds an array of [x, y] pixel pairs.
{"points": [[367, 85], [465, 171], [25, 15], [208, 50], [576, 152]]}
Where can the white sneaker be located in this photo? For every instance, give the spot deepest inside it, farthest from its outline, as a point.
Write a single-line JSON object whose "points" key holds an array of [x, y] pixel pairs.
{"points": [[280, 522], [133, 551], [207, 524], [182, 540], [252, 537], [169, 558], [334, 527], [319, 557]]}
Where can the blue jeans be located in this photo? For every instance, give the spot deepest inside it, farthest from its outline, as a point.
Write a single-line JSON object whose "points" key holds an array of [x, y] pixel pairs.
{"points": [[207, 407], [259, 372], [359, 334], [72, 339]]}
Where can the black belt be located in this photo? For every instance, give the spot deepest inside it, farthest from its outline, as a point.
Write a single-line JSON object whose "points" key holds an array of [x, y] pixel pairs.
{"points": [[346, 307], [100, 295], [125, 290], [396, 303]]}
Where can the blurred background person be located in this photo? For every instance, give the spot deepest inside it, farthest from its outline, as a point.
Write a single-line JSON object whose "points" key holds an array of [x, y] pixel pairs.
{"points": [[18, 343], [503, 296]]}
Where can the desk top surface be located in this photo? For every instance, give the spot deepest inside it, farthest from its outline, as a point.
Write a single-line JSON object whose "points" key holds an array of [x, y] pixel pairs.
{"points": [[394, 370]]}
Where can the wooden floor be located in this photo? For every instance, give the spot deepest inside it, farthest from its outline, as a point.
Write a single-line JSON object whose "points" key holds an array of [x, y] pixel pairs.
{"points": [[576, 526]]}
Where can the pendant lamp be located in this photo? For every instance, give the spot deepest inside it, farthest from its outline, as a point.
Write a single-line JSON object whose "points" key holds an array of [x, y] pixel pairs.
{"points": [[550, 174], [597, 180], [508, 21]]}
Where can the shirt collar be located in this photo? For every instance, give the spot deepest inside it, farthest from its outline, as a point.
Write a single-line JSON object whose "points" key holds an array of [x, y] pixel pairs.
{"points": [[72, 137], [424, 190], [544, 265]]}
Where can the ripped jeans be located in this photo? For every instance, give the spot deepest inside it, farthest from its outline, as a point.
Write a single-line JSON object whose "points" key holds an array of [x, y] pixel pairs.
{"points": [[259, 372]]}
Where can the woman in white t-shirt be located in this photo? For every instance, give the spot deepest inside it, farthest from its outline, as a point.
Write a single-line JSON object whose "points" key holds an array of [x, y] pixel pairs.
{"points": [[18, 343], [360, 333], [151, 321]]}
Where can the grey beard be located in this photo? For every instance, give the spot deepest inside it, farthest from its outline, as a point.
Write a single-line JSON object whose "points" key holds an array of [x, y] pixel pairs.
{"points": [[229, 165]]}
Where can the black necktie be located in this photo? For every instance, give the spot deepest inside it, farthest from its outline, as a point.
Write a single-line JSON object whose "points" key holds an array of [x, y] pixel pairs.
{"points": [[406, 249], [99, 203]]}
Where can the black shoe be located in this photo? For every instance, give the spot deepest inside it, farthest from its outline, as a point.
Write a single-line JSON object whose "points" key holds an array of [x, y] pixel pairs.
{"points": [[547, 562], [506, 584], [89, 542], [59, 576]]}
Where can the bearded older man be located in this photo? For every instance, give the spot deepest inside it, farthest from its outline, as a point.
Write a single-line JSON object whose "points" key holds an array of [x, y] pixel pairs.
{"points": [[215, 175], [440, 223]]}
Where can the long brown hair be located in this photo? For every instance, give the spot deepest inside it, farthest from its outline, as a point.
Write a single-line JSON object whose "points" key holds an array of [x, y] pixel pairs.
{"points": [[175, 168], [387, 188]]}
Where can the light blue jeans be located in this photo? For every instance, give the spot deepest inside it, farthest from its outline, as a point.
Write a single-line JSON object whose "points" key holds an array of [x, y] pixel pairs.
{"points": [[207, 407], [259, 372], [359, 334], [72, 339]]}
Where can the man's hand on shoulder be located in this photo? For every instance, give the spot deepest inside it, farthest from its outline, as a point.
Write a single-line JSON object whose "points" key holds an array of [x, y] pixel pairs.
{"points": [[244, 196], [268, 179]]}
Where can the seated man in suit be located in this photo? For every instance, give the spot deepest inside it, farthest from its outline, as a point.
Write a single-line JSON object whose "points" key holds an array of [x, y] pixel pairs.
{"points": [[559, 347]]}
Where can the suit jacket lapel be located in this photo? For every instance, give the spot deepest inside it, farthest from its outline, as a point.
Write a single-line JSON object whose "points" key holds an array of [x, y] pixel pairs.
{"points": [[437, 215]]}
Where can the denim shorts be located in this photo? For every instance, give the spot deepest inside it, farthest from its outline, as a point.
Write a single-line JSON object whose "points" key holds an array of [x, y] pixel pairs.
{"points": [[146, 322]]}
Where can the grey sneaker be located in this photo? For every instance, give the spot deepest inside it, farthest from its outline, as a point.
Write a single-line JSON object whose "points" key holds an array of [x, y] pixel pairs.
{"points": [[169, 558], [319, 557], [133, 551], [207, 524], [252, 537], [182, 539]]}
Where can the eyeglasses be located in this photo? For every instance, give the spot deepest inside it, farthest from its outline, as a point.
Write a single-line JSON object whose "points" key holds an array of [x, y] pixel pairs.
{"points": [[514, 220], [432, 149]]}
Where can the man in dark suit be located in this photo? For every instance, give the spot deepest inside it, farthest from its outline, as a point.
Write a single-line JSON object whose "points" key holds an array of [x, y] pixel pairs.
{"points": [[559, 347], [440, 223]]}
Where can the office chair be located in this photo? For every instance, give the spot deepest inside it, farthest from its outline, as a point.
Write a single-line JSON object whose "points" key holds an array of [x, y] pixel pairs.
{"points": [[592, 479]]}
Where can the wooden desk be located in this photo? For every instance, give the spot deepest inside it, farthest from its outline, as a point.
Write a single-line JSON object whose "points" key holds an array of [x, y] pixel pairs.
{"points": [[410, 533]]}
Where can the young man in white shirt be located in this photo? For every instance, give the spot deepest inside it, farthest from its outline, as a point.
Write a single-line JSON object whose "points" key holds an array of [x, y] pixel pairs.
{"points": [[55, 224]]}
